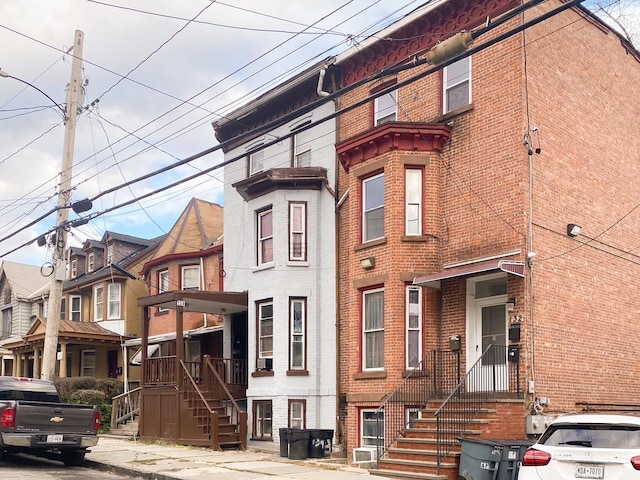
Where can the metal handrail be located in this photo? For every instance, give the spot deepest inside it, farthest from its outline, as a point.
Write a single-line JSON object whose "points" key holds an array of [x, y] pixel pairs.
{"points": [[490, 375]]}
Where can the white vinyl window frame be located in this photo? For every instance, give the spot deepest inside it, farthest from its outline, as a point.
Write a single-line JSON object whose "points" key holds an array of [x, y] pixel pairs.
{"points": [[414, 320], [371, 427], [262, 419], [74, 268], [98, 303], [90, 262], [297, 232], [63, 308], [115, 301], [297, 333], [373, 329], [413, 201], [373, 208], [456, 85], [385, 108], [297, 413], [265, 236], [190, 277], [302, 148], [163, 285], [75, 308], [88, 363], [109, 254], [256, 161], [265, 329]]}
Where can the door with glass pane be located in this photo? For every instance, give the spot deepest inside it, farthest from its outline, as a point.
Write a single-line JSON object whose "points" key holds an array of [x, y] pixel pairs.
{"points": [[491, 340]]}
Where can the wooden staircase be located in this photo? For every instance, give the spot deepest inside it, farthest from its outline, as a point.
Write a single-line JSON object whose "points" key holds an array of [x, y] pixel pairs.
{"points": [[415, 454], [214, 422]]}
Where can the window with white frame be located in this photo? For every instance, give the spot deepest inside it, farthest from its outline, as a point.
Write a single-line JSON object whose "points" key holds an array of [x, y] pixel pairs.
{"points": [[457, 85], [88, 363], [191, 277], [262, 419], [163, 285], [90, 262], [302, 148], [265, 330], [98, 303], [413, 201], [411, 415], [63, 308], [297, 413], [109, 254], [75, 310], [297, 231], [297, 333], [386, 108], [373, 329], [114, 301], [373, 208], [6, 322], [371, 428], [256, 161], [74, 268], [265, 236], [414, 326]]}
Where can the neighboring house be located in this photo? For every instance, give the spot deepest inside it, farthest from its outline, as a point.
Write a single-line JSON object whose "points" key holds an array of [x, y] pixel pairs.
{"points": [[279, 230], [98, 313], [23, 297], [463, 275]]}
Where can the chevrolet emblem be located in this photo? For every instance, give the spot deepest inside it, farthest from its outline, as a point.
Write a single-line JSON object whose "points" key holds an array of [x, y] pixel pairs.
{"points": [[56, 419]]}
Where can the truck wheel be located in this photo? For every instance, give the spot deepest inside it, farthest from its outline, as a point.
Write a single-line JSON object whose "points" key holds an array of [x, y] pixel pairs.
{"points": [[73, 458]]}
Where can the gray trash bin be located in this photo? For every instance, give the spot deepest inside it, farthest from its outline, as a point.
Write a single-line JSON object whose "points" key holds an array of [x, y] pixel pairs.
{"points": [[483, 459], [512, 454], [284, 442], [298, 443]]}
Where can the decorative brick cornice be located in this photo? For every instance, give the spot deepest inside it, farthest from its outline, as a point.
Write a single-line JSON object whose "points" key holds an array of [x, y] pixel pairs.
{"points": [[407, 136]]}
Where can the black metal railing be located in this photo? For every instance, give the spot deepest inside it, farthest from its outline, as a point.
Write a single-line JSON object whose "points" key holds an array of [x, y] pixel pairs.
{"points": [[437, 373], [495, 374]]}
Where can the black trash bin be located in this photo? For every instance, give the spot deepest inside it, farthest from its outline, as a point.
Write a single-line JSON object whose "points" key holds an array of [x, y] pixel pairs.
{"points": [[298, 440], [512, 455], [320, 443], [284, 442]]}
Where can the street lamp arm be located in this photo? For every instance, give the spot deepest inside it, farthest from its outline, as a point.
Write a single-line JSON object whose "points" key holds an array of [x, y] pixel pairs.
{"points": [[6, 75]]}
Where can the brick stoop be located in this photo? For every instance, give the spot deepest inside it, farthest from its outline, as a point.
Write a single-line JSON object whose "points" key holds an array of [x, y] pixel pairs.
{"points": [[415, 454]]}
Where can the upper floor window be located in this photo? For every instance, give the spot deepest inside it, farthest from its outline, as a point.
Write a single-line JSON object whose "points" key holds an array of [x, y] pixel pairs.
{"points": [[256, 161], [63, 308], [413, 199], [373, 329], [163, 281], [457, 85], [7, 294], [98, 303], [265, 330], [302, 148], [297, 329], [6, 322], [386, 108], [74, 268], [90, 262], [75, 311], [373, 208], [265, 237], [414, 326], [114, 301], [191, 277], [297, 231], [109, 254]]}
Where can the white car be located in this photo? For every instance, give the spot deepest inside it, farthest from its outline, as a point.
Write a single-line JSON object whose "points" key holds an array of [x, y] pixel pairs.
{"points": [[585, 446]]}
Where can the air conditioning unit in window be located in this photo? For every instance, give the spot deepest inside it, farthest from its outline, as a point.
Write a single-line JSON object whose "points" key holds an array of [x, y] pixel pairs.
{"points": [[261, 363], [364, 455]]}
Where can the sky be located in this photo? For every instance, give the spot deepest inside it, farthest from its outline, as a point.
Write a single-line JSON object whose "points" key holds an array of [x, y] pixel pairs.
{"points": [[156, 74]]}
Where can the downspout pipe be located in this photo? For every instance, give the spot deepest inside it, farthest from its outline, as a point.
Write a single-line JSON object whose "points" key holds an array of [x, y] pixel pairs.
{"points": [[320, 90]]}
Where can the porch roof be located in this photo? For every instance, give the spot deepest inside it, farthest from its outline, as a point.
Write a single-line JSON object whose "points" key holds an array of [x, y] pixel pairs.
{"points": [[433, 280], [217, 303]]}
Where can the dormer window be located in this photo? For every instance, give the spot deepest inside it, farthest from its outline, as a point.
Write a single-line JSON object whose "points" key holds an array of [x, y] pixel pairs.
{"points": [[90, 262], [109, 254], [74, 268]]}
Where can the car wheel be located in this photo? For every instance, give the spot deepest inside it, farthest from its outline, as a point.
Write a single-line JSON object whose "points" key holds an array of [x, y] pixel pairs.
{"points": [[73, 458]]}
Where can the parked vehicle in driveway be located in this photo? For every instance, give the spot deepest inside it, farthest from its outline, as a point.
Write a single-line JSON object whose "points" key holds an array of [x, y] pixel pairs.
{"points": [[34, 421], [590, 446]]}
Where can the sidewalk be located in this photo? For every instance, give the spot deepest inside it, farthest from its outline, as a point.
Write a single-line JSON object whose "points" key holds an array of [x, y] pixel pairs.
{"points": [[164, 461]]}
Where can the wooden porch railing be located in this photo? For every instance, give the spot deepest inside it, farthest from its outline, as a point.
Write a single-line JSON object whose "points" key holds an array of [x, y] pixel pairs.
{"points": [[160, 371], [125, 407]]}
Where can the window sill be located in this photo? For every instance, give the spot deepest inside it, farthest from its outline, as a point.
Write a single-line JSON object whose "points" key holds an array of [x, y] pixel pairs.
{"points": [[372, 243], [262, 373], [264, 266], [415, 238], [297, 263], [369, 374], [297, 373], [454, 113]]}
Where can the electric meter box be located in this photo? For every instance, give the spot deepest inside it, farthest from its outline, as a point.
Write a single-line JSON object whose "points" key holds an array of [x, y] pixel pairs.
{"points": [[536, 424]]}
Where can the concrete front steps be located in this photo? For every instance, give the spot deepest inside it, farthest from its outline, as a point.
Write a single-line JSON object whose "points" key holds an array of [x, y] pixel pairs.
{"points": [[415, 455]]}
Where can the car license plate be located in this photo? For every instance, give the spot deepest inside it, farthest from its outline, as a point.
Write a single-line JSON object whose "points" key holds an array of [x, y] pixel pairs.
{"points": [[54, 438], [589, 471]]}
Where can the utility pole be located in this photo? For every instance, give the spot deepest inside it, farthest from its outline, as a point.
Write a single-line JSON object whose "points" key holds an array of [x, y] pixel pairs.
{"points": [[74, 102]]}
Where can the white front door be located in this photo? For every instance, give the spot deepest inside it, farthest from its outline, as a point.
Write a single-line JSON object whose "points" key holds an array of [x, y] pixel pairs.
{"points": [[487, 326]]}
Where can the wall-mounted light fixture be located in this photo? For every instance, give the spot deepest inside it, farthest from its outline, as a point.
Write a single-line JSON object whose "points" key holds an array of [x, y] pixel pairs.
{"points": [[511, 303], [368, 263], [573, 230]]}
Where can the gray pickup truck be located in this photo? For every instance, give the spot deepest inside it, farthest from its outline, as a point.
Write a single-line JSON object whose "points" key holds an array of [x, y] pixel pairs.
{"points": [[32, 420]]}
